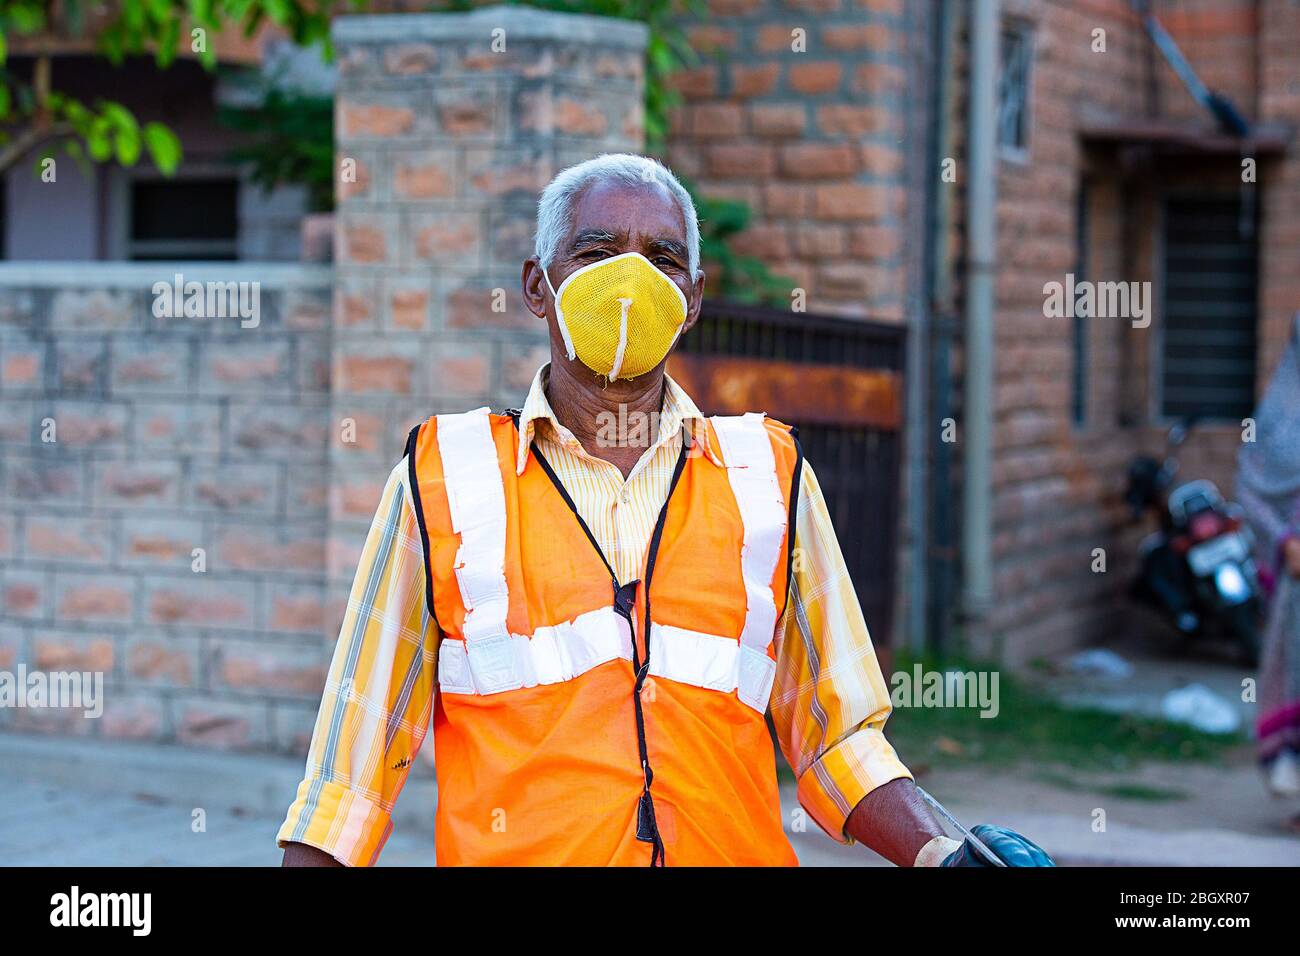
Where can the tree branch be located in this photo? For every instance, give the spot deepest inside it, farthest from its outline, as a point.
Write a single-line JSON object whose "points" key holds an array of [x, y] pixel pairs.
{"points": [[28, 140]]}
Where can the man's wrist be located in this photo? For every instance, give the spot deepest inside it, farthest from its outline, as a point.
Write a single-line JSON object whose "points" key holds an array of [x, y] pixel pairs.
{"points": [[303, 854], [936, 851]]}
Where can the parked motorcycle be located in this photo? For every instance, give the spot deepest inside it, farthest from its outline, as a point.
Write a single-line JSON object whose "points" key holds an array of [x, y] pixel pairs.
{"points": [[1197, 568]]}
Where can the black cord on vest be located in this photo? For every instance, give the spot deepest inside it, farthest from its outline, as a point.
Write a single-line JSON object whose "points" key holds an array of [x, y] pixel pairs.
{"points": [[413, 481], [657, 856]]}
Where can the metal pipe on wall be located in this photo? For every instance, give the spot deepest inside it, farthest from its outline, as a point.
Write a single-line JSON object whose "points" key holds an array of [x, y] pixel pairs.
{"points": [[936, 83], [981, 262], [920, 23]]}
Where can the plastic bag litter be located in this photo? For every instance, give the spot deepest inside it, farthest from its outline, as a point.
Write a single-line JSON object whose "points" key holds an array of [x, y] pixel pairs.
{"points": [[1198, 706], [1100, 663]]}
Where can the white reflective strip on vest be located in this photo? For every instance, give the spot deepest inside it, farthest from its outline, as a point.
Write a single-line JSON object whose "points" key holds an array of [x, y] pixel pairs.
{"points": [[751, 470], [712, 662], [477, 502], [553, 654]]}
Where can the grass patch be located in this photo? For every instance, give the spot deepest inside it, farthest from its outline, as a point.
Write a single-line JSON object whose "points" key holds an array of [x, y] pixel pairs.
{"points": [[1032, 727], [1123, 791]]}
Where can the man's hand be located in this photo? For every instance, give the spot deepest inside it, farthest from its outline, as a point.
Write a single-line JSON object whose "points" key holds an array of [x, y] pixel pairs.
{"points": [[300, 854], [1007, 845], [1291, 556]]}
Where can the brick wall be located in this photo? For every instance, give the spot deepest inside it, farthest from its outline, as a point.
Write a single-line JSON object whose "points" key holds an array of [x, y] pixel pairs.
{"points": [[800, 109], [131, 440], [1057, 486], [1052, 483]]}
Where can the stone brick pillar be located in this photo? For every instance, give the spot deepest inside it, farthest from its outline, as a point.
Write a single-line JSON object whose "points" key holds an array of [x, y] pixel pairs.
{"points": [[447, 127]]}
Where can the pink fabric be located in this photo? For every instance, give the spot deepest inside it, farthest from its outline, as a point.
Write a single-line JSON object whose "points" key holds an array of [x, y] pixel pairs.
{"points": [[1268, 489], [1278, 720]]}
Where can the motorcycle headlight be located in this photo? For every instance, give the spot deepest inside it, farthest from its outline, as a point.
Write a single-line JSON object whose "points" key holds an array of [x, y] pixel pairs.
{"points": [[1231, 583]]}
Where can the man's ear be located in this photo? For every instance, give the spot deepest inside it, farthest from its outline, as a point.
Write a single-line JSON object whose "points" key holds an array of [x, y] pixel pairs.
{"points": [[694, 303], [534, 287]]}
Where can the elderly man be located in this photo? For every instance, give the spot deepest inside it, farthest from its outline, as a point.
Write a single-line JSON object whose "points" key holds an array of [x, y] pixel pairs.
{"points": [[596, 599]]}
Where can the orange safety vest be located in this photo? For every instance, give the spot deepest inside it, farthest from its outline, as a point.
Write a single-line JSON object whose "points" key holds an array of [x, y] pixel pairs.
{"points": [[583, 723]]}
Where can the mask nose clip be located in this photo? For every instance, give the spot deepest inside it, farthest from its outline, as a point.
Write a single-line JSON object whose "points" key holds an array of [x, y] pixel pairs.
{"points": [[626, 303]]}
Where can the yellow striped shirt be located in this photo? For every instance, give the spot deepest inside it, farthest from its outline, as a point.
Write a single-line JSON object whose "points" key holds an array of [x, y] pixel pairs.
{"points": [[829, 700]]}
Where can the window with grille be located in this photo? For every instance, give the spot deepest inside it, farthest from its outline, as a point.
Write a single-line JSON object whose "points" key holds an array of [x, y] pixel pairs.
{"points": [[1210, 278], [1013, 88], [183, 219]]}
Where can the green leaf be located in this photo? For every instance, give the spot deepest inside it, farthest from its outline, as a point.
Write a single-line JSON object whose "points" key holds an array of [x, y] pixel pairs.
{"points": [[111, 43], [164, 147], [279, 10], [26, 20], [168, 41], [76, 113], [119, 116], [98, 143], [133, 16], [127, 145]]}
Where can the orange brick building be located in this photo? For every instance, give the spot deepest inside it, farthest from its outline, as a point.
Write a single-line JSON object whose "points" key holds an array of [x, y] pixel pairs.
{"points": [[843, 124], [833, 120], [1122, 176]]}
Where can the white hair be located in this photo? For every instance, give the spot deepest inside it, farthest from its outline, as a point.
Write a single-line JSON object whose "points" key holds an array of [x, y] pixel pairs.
{"points": [[555, 208]]}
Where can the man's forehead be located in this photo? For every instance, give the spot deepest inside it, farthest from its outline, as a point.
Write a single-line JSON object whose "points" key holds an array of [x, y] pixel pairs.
{"points": [[625, 209]]}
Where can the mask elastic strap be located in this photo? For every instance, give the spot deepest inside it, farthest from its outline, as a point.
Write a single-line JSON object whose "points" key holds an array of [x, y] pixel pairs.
{"points": [[559, 316]]}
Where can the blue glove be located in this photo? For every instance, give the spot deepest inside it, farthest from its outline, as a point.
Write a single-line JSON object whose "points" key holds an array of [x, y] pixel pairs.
{"points": [[1007, 845]]}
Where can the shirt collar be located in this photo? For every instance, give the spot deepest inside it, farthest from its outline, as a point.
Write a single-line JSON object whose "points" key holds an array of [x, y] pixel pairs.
{"points": [[679, 411]]}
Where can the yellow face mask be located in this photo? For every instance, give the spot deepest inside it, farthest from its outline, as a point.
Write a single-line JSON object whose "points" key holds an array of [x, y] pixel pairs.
{"points": [[619, 316]]}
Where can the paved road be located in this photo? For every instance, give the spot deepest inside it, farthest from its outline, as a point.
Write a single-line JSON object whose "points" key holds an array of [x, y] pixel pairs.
{"points": [[42, 824], [95, 803]]}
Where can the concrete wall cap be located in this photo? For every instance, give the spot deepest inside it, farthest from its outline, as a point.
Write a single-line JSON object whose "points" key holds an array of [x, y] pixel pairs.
{"points": [[81, 275], [520, 23]]}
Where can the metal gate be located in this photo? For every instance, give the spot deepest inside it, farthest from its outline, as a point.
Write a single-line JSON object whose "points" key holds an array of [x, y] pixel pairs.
{"points": [[840, 381]]}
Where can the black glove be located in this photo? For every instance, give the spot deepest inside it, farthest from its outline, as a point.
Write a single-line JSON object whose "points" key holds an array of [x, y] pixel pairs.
{"points": [[1007, 845]]}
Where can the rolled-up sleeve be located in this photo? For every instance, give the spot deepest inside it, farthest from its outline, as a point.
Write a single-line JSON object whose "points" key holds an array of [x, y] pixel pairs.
{"points": [[829, 700], [378, 697]]}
